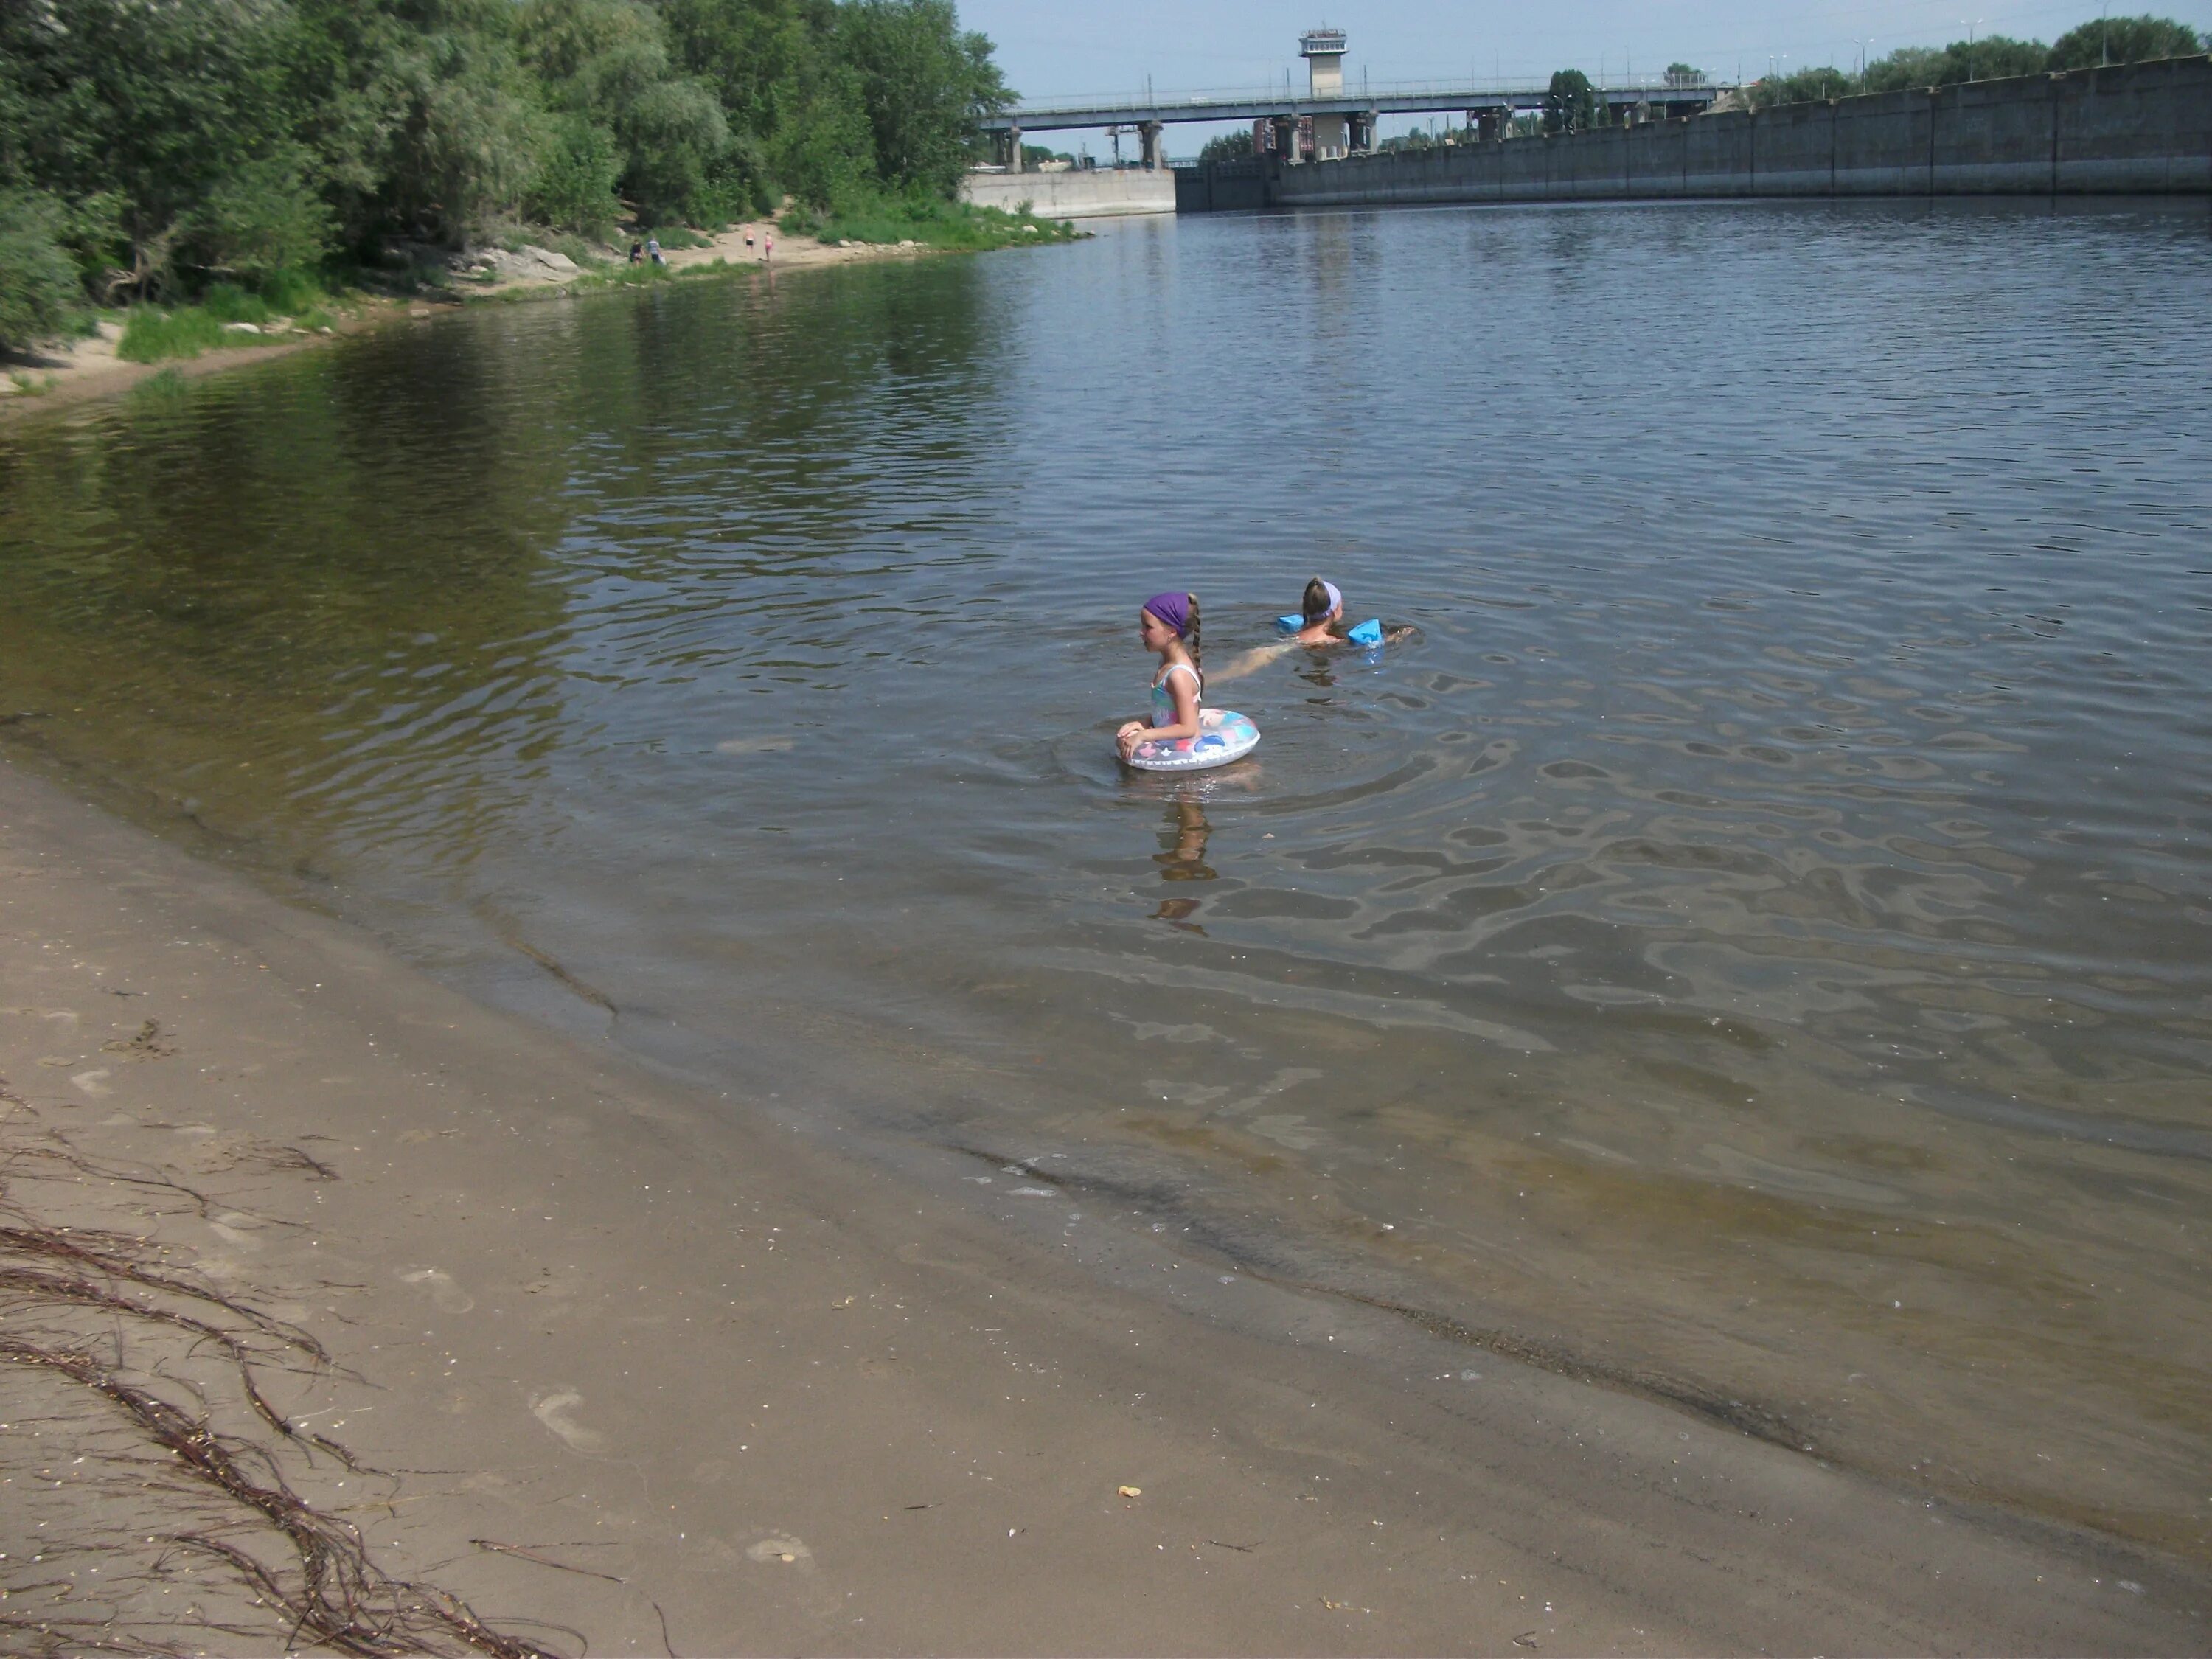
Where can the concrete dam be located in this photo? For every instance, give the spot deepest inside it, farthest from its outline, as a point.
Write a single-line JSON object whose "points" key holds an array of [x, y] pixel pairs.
{"points": [[2130, 129]]}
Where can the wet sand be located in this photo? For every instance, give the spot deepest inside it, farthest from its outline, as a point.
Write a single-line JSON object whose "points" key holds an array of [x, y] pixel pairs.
{"points": [[626, 1361], [65, 373]]}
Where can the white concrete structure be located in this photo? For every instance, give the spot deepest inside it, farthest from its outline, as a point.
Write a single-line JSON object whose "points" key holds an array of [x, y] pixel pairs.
{"points": [[1080, 194]]}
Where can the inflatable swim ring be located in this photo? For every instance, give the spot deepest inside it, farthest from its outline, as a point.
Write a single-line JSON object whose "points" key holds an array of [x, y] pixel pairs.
{"points": [[1367, 633], [1224, 735]]}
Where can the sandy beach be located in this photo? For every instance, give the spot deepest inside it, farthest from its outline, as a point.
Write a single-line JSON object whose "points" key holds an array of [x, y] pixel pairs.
{"points": [[624, 1365]]}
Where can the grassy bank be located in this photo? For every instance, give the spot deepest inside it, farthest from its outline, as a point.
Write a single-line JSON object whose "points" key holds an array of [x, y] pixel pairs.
{"points": [[594, 278], [226, 314], [950, 227]]}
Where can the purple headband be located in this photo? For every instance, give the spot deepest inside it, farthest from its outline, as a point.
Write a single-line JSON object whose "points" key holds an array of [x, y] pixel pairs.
{"points": [[1173, 608], [1335, 593]]}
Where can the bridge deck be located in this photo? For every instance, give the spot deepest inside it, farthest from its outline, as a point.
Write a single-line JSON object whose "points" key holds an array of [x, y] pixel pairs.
{"points": [[1395, 98]]}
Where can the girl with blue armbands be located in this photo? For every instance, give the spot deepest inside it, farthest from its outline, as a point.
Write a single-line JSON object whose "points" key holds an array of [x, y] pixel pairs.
{"points": [[1320, 620], [1317, 624]]}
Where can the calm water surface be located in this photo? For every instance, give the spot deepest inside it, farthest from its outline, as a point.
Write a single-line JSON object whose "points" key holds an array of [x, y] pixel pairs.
{"points": [[1753, 945]]}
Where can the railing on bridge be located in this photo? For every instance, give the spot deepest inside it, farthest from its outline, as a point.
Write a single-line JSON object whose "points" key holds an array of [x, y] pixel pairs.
{"points": [[1658, 88]]}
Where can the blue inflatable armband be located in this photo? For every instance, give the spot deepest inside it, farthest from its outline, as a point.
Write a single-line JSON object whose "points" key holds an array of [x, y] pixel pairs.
{"points": [[1290, 624], [1367, 633]]}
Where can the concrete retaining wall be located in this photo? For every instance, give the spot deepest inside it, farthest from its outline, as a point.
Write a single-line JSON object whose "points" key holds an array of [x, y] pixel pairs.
{"points": [[1221, 186], [1075, 195], [2134, 128]]}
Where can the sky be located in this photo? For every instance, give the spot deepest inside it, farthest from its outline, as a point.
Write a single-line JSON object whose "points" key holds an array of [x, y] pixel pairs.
{"points": [[1067, 48]]}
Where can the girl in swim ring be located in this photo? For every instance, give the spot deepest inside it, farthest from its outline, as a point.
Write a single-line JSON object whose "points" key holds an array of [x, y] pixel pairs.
{"points": [[1167, 624]]}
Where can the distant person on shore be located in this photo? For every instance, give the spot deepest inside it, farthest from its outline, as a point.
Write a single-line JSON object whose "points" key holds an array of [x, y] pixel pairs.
{"points": [[636, 252], [1168, 625], [768, 247], [749, 241], [653, 250]]}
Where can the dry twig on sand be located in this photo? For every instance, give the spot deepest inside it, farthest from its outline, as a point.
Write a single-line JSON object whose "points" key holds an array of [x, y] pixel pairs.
{"points": [[162, 1452]]}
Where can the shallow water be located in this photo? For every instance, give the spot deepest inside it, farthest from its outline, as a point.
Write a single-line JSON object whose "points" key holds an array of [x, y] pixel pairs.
{"points": [[1752, 946]]}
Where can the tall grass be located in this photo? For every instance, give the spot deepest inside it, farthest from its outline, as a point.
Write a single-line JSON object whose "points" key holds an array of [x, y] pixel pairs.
{"points": [[951, 227], [673, 236], [152, 333], [165, 387]]}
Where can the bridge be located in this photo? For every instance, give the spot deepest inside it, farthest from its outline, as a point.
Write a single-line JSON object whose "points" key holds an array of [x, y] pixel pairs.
{"points": [[1325, 109]]}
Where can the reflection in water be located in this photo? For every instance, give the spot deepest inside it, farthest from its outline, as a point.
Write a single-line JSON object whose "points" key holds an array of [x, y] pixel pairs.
{"points": [[1752, 943], [1183, 854], [1182, 857]]}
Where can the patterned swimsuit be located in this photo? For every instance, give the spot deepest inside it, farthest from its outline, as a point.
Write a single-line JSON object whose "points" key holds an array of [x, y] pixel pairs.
{"points": [[1163, 709]]}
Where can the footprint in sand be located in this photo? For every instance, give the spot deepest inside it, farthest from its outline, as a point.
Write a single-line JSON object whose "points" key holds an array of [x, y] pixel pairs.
{"points": [[1287, 1129], [237, 1228], [552, 1410], [94, 1082], [450, 1298]]}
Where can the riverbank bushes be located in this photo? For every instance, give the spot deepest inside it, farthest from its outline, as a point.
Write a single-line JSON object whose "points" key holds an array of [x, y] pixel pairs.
{"points": [[153, 150], [39, 292]]}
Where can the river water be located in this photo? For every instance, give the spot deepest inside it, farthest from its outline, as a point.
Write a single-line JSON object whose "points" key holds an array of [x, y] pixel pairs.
{"points": [[1752, 946]]}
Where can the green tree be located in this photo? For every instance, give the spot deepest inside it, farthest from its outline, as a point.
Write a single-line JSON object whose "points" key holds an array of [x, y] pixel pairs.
{"points": [[1804, 87], [1908, 66], [175, 143], [1999, 56], [759, 56], [262, 217], [164, 108], [825, 151], [924, 83], [577, 169], [38, 289], [433, 126], [1994, 56], [607, 62], [1228, 147], [1570, 104], [2123, 40]]}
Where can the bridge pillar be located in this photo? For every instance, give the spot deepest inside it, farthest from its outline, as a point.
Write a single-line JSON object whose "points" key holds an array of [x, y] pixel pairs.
{"points": [[1287, 137], [1014, 149], [1150, 132]]}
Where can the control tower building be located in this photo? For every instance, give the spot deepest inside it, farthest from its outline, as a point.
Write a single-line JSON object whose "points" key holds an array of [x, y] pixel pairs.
{"points": [[1323, 51]]}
